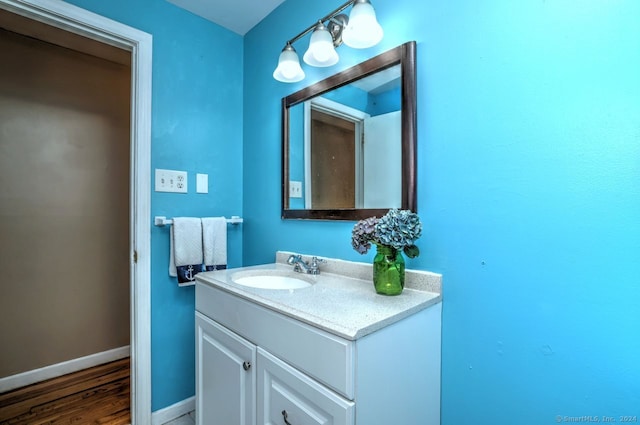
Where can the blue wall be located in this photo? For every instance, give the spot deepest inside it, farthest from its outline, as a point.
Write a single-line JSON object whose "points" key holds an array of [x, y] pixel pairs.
{"points": [[529, 190], [350, 96], [385, 102], [372, 104], [196, 127]]}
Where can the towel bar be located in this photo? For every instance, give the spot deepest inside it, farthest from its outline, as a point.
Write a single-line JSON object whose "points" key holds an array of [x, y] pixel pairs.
{"points": [[164, 221]]}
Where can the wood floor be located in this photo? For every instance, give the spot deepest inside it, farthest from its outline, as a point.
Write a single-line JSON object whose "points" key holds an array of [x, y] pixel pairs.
{"points": [[99, 395]]}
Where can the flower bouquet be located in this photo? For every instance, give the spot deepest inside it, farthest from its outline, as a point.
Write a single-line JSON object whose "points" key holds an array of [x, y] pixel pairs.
{"points": [[393, 234]]}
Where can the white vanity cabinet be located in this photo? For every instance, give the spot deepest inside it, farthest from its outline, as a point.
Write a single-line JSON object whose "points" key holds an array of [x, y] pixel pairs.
{"points": [[232, 371], [258, 365]]}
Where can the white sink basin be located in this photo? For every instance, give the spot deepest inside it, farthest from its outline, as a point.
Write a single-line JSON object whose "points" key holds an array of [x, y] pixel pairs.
{"points": [[272, 279]]}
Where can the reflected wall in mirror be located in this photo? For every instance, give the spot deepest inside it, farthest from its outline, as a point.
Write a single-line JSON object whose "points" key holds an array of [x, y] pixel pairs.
{"points": [[349, 141]]}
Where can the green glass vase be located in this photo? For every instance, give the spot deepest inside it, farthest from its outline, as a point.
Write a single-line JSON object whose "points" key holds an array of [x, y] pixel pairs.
{"points": [[388, 270]]}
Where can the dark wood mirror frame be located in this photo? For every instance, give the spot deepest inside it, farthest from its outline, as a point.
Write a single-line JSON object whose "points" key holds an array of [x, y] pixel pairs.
{"points": [[405, 55]]}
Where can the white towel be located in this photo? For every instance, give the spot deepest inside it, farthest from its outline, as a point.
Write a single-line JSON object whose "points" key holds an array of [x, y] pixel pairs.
{"points": [[186, 243], [214, 242]]}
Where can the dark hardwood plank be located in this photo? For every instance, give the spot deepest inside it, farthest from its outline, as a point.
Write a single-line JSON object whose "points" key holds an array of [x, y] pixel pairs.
{"points": [[45, 387], [98, 395]]}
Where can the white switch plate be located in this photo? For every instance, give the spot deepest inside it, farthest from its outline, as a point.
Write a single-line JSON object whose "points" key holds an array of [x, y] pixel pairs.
{"points": [[171, 181], [202, 183], [295, 189]]}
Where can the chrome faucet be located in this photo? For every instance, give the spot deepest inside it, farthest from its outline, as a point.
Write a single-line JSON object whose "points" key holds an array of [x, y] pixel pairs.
{"points": [[299, 265]]}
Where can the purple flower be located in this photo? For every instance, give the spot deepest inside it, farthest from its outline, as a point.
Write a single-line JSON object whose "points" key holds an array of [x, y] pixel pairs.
{"points": [[362, 234]]}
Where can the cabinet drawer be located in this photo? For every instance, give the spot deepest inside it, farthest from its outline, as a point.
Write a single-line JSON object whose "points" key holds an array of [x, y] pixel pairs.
{"points": [[321, 355], [282, 390]]}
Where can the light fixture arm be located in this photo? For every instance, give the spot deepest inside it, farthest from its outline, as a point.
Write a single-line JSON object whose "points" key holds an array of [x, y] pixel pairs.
{"points": [[330, 16], [335, 26]]}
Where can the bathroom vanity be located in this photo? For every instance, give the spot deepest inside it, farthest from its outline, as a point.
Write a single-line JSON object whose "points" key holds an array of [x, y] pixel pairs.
{"points": [[330, 351]]}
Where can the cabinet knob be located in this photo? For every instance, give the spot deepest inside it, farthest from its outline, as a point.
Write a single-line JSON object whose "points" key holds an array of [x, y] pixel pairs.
{"points": [[285, 416], [246, 365]]}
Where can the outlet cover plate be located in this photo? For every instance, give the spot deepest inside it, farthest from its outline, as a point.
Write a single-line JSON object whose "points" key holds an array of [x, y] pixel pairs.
{"points": [[295, 189], [171, 181]]}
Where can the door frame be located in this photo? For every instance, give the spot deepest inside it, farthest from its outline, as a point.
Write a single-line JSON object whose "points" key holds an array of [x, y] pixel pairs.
{"points": [[80, 21]]}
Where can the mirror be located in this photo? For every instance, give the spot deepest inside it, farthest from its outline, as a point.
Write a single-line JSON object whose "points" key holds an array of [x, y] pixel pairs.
{"points": [[349, 141]]}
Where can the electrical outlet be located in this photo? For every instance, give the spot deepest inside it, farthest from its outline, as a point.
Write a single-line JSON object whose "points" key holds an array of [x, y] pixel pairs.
{"points": [[295, 189], [171, 181]]}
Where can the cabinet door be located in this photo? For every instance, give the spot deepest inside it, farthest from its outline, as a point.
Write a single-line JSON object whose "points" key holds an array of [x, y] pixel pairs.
{"points": [[225, 376], [287, 396]]}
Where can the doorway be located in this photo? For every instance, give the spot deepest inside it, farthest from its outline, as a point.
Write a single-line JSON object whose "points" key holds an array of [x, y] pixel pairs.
{"points": [[138, 45], [333, 161], [64, 202]]}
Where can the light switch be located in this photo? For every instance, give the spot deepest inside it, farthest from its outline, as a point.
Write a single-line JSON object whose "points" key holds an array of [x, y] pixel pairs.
{"points": [[202, 183]]}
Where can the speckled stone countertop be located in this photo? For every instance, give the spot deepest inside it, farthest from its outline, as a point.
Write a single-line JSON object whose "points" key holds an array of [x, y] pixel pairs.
{"points": [[341, 299]]}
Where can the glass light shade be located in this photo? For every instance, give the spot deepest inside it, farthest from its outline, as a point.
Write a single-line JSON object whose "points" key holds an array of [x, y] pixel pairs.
{"points": [[363, 29], [289, 69], [321, 51]]}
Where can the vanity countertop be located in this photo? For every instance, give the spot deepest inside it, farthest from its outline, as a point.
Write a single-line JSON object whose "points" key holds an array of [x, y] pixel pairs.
{"points": [[342, 300]]}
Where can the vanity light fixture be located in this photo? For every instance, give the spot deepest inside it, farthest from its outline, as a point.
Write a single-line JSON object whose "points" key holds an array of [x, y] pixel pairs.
{"points": [[359, 30]]}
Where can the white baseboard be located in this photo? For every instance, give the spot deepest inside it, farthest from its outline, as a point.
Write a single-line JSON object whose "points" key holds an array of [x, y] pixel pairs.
{"points": [[53, 371], [174, 411]]}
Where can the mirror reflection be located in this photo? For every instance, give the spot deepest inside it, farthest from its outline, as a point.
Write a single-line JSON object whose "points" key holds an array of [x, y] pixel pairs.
{"points": [[347, 153], [349, 141]]}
